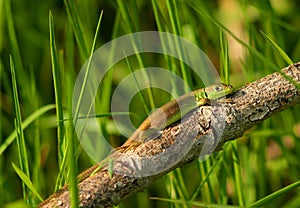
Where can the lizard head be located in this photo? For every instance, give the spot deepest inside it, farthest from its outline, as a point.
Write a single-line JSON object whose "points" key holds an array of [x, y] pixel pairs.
{"points": [[216, 91]]}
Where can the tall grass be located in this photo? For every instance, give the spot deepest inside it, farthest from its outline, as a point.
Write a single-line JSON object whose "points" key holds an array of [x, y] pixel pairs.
{"points": [[42, 53]]}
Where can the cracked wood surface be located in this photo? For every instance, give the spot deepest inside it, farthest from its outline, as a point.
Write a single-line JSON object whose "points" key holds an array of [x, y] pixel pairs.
{"points": [[203, 131]]}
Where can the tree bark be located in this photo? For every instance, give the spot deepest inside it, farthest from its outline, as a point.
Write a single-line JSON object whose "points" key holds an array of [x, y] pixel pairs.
{"points": [[201, 132]]}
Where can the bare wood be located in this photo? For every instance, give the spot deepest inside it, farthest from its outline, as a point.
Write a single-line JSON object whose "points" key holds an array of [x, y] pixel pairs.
{"points": [[203, 131]]}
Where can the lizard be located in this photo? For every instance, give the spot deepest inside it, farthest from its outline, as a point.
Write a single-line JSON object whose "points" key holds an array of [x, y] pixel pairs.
{"points": [[162, 117], [167, 114]]}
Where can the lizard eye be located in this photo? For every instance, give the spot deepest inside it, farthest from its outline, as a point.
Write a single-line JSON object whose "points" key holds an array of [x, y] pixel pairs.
{"points": [[218, 88]]}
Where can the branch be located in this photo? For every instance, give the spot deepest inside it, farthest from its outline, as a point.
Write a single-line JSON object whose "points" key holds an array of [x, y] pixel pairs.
{"points": [[201, 132]]}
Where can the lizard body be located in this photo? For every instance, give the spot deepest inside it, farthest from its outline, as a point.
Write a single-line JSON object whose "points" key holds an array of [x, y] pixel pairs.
{"points": [[165, 115]]}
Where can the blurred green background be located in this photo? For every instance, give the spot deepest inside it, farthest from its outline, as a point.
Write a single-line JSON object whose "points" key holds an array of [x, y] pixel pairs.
{"points": [[234, 36]]}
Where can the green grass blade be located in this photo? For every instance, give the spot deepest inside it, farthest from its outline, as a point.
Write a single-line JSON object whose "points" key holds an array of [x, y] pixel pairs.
{"points": [[103, 115], [57, 89], [130, 17], [76, 114], [136, 83], [71, 149], [176, 27], [60, 179], [181, 186], [27, 181], [284, 57], [29, 120], [107, 89], [72, 165], [12, 37], [237, 175], [84, 83], [161, 22], [274, 195], [224, 62], [36, 135], [62, 146], [20, 134], [2, 22], [73, 16], [278, 49], [217, 162], [133, 26], [157, 15]]}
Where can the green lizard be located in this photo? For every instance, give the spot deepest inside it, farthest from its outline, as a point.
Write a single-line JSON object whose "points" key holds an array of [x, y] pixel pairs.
{"points": [[167, 114], [158, 120]]}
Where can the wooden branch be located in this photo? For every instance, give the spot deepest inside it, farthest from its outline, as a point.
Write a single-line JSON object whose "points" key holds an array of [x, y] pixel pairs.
{"points": [[201, 132]]}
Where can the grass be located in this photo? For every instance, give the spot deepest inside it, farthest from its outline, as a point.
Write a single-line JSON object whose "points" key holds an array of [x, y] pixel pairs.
{"points": [[42, 54]]}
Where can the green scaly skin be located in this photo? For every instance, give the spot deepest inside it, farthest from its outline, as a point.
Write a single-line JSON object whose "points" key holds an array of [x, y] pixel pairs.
{"points": [[166, 115]]}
